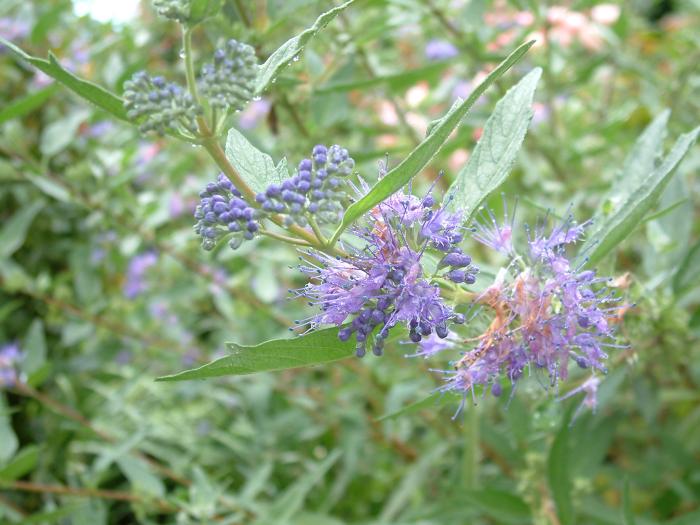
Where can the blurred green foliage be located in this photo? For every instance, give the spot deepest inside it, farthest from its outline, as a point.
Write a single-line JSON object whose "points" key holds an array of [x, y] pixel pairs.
{"points": [[91, 438]]}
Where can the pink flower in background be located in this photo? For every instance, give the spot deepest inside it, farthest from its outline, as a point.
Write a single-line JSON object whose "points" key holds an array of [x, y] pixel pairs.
{"points": [[417, 94], [605, 14], [458, 159]]}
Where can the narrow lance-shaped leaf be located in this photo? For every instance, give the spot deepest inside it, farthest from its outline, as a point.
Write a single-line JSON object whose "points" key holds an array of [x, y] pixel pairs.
{"points": [[292, 47], [14, 231], [398, 177], [92, 92], [255, 167], [687, 276], [613, 229], [641, 160], [494, 155], [559, 476], [27, 104], [318, 347]]}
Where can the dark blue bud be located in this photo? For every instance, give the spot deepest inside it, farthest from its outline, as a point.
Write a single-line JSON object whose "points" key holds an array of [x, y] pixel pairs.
{"points": [[305, 165], [457, 276], [377, 316], [344, 334]]}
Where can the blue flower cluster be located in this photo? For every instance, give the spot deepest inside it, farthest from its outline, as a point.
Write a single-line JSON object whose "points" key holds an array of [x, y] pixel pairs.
{"points": [[223, 211], [229, 81], [319, 189], [384, 283], [158, 105]]}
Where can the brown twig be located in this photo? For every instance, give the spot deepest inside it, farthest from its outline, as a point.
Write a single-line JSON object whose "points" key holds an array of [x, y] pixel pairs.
{"points": [[40, 488]]}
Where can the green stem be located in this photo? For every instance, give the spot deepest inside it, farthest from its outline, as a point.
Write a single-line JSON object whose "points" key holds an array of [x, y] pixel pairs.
{"points": [[285, 238], [189, 66], [470, 458], [317, 231]]}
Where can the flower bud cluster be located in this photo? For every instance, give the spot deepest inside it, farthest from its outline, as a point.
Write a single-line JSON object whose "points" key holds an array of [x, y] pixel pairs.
{"points": [[160, 106], [223, 211], [178, 10], [318, 190], [384, 284], [229, 81], [444, 232]]}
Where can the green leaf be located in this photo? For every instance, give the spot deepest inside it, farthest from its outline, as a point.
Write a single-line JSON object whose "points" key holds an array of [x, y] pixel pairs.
{"points": [[495, 153], [501, 506], [643, 157], [398, 177], [98, 95], [8, 439], [202, 9], [19, 108], [558, 475], [60, 133], [49, 187], [23, 463], [395, 81], [255, 167], [614, 228], [140, 476], [292, 47], [34, 348], [14, 231], [428, 401], [291, 500], [321, 346], [411, 482], [627, 514], [688, 275]]}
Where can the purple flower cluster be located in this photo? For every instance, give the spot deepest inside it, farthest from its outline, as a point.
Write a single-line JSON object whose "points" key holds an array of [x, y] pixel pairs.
{"points": [[159, 105], [135, 283], [318, 190], [545, 313], [229, 81], [383, 284], [440, 50], [10, 355], [222, 211]]}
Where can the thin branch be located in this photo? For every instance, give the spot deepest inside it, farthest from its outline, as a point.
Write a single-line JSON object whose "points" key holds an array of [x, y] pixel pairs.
{"points": [[114, 495]]}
